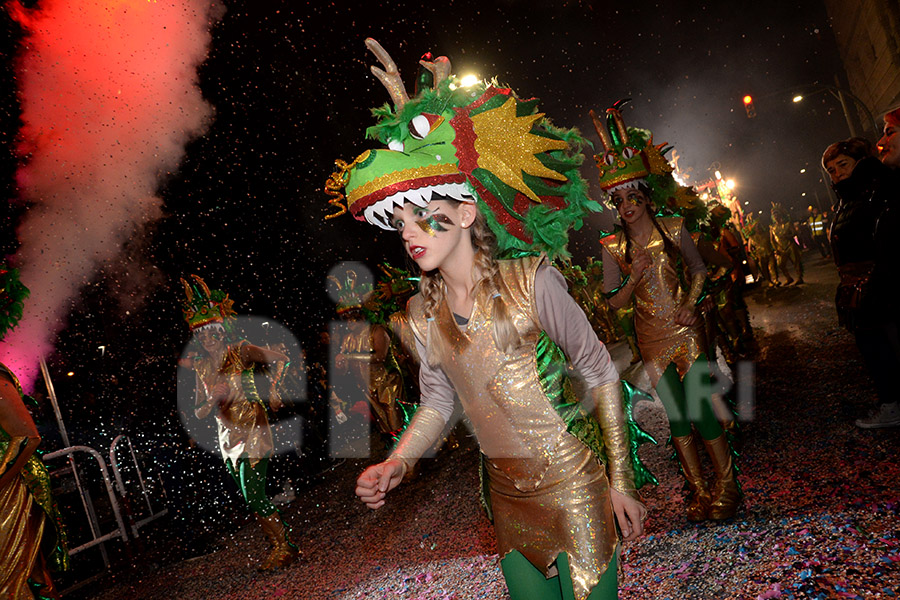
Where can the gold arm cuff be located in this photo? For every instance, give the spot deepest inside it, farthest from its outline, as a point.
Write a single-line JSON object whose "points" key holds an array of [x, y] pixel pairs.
{"points": [[423, 431], [609, 408], [697, 282], [14, 448]]}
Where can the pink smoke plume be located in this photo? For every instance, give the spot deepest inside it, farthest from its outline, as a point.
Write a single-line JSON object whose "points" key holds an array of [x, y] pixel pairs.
{"points": [[109, 95]]}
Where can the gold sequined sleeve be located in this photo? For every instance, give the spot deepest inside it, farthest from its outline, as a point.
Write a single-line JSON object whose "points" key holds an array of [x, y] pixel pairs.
{"points": [[610, 411], [422, 433]]}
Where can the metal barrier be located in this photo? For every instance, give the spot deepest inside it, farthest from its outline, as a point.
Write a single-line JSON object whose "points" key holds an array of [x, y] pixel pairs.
{"points": [[113, 461], [120, 531]]}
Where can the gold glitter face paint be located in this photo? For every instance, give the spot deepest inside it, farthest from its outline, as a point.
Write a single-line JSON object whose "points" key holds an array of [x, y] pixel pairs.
{"points": [[434, 223], [635, 198]]}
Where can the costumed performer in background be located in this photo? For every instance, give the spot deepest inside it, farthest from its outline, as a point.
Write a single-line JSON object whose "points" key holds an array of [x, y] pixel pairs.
{"points": [[463, 180], [759, 243], [654, 264], [31, 530], [226, 387], [783, 233], [365, 355]]}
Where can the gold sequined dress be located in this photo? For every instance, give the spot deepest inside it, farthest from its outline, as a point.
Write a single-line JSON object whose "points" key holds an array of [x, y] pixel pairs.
{"points": [[28, 517], [657, 297], [548, 491], [242, 424]]}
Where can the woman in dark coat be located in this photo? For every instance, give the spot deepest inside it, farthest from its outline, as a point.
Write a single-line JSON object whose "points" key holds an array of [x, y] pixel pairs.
{"points": [[867, 263]]}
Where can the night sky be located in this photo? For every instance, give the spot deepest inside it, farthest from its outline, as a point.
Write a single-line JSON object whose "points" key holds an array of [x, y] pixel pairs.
{"points": [[292, 91]]}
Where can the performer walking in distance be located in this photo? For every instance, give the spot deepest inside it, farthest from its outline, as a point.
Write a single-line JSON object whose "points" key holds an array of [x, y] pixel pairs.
{"points": [[783, 233], [495, 331], [654, 265], [226, 388]]}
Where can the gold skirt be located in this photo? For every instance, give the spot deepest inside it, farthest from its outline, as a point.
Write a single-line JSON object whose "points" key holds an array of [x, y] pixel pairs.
{"points": [[568, 511], [21, 527], [681, 348]]}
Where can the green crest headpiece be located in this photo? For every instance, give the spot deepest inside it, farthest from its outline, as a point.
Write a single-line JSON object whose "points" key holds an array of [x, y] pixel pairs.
{"points": [[780, 213], [390, 294], [350, 294], [478, 144], [629, 155], [12, 298], [202, 306]]}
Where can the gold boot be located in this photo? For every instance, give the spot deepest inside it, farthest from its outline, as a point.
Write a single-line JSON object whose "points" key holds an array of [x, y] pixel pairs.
{"points": [[283, 551], [726, 496], [699, 500]]}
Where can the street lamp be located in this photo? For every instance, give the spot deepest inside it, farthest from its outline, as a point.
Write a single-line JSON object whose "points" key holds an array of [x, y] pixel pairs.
{"points": [[839, 93]]}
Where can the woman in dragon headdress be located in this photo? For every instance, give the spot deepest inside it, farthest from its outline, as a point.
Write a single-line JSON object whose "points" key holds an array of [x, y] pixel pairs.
{"points": [[226, 387], [654, 264], [471, 173], [29, 517]]}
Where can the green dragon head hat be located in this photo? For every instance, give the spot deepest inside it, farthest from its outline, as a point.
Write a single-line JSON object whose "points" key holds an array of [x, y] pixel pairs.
{"points": [[202, 307], [479, 144], [630, 158], [350, 294]]}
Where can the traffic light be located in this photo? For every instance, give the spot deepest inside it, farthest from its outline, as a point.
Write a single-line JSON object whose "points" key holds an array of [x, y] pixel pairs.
{"points": [[748, 106]]}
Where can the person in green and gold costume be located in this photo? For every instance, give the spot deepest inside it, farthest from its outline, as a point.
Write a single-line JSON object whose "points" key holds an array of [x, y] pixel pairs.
{"points": [[32, 537], [786, 249], [369, 353], [496, 331], [584, 290], [759, 243], [226, 388], [653, 264], [620, 321]]}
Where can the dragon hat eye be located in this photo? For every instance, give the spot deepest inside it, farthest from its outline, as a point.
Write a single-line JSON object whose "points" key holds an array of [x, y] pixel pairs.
{"points": [[609, 158], [423, 124], [627, 152]]}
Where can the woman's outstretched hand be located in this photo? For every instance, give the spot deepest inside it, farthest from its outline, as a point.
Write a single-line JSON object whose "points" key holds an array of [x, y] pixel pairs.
{"points": [[630, 514], [376, 481]]}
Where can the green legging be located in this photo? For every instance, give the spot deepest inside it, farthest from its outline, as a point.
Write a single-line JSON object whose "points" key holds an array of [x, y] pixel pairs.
{"points": [[252, 482], [690, 400], [525, 582]]}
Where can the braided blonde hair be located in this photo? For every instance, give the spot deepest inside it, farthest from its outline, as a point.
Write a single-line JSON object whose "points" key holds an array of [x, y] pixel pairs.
{"points": [[488, 286]]}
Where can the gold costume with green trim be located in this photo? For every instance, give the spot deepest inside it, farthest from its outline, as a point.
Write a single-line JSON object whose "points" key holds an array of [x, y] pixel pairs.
{"points": [[548, 489], [242, 423], [29, 519], [657, 296]]}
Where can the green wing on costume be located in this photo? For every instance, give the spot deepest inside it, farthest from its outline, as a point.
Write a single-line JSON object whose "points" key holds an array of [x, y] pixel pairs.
{"points": [[557, 386]]}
